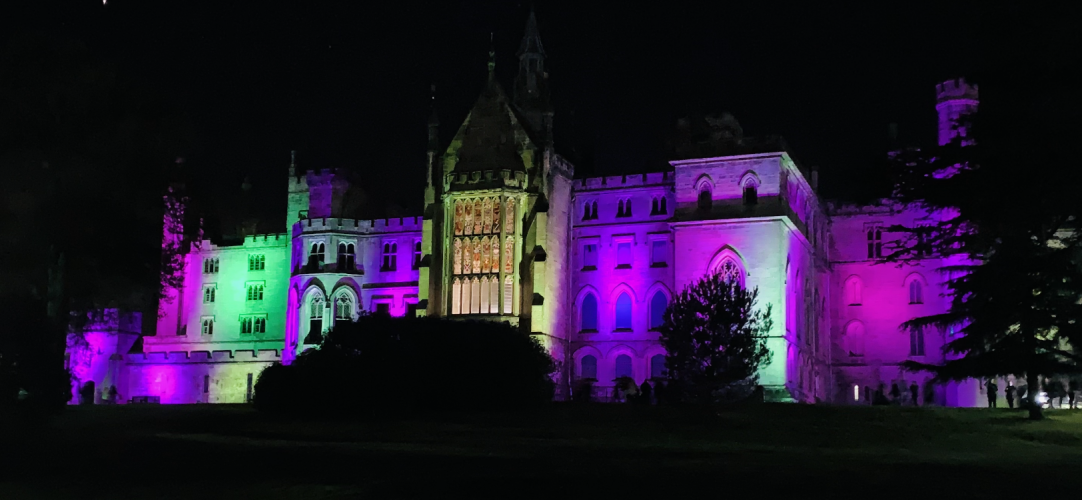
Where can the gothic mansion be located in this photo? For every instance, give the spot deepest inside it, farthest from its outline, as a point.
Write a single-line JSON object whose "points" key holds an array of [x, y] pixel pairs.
{"points": [[585, 265]]}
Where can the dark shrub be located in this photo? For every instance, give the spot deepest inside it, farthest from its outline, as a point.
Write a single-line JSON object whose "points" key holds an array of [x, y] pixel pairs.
{"points": [[381, 365]]}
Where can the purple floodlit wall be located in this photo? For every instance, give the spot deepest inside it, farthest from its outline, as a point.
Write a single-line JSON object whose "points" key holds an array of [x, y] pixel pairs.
{"points": [[873, 298], [96, 353], [198, 376], [954, 100], [604, 277]]}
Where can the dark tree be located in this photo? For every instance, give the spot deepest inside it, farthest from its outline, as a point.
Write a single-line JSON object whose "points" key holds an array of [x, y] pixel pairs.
{"points": [[379, 365], [715, 339], [1010, 241]]}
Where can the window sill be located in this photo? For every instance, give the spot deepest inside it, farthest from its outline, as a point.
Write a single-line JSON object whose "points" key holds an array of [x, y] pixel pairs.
{"points": [[590, 268], [588, 331], [855, 305], [660, 264], [387, 269], [623, 330], [624, 266]]}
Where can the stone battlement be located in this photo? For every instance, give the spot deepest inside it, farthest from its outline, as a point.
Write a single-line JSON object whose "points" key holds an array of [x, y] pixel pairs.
{"points": [[251, 241], [956, 89], [396, 224], [618, 181], [505, 178], [177, 357]]}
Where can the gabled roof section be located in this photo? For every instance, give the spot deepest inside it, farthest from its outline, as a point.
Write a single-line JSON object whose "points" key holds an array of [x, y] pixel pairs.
{"points": [[491, 137]]}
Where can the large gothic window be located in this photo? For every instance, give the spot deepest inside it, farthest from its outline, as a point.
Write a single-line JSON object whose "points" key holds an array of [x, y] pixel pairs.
{"points": [[477, 223], [486, 254], [458, 256], [623, 312], [589, 313], [658, 303]]}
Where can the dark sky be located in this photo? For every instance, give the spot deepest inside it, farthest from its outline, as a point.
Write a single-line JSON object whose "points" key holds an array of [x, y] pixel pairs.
{"points": [[347, 84]]}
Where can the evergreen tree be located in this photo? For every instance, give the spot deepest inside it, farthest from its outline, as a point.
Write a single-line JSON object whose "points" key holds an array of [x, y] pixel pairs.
{"points": [[715, 339], [1010, 242]]}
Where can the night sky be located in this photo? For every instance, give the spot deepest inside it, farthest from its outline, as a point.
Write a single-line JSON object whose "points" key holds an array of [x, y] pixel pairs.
{"points": [[347, 84]]}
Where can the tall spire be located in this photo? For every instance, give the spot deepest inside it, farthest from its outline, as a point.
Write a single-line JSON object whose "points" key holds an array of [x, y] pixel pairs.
{"points": [[531, 39], [531, 84], [491, 56]]}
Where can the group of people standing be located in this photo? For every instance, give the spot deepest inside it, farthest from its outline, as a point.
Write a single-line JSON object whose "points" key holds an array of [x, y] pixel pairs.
{"points": [[1054, 389]]}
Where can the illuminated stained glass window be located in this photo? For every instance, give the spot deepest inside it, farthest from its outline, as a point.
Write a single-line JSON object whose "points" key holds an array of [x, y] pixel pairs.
{"points": [[467, 220], [457, 269], [509, 225], [486, 216], [477, 209], [459, 217]]}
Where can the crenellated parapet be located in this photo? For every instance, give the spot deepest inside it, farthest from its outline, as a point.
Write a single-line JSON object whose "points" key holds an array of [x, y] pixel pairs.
{"points": [[223, 356], [957, 89], [620, 181], [358, 226], [484, 179]]}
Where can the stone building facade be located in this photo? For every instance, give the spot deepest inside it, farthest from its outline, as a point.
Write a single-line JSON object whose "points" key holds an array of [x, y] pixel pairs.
{"points": [[584, 265]]}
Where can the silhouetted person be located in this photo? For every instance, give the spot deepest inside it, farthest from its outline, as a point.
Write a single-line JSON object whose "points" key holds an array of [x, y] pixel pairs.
{"points": [[112, 394], [914, 392], [880, 398], [1009, 392], [1072, 388], [895, 393], [993, 389], [645, 392]]}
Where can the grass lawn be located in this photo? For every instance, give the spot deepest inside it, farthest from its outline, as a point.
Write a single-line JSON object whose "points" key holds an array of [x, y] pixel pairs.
{"points": [[565, 451]]}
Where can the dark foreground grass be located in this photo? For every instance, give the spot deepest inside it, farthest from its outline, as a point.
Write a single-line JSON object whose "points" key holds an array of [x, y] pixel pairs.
{"points": [[565, 451]]}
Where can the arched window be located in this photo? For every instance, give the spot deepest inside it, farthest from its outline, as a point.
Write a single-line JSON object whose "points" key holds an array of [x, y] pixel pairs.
{"points": [[705, 198], [623, 366], [623, 312], [916, 341], [657, 366], [589, 313], [620, 209], [916, 292], [853, 291], [751, 194], [658, 303], [730, 271], [343, 309], [854, 339], [593, 210], [654, 207], [627, 207], [588, 367], [315, 320], [346, 257], [663, 209], [316, 256], [586, 211]]}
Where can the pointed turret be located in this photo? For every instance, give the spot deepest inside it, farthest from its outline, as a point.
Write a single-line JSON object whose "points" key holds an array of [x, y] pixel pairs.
{"points": [[531, 85]]}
